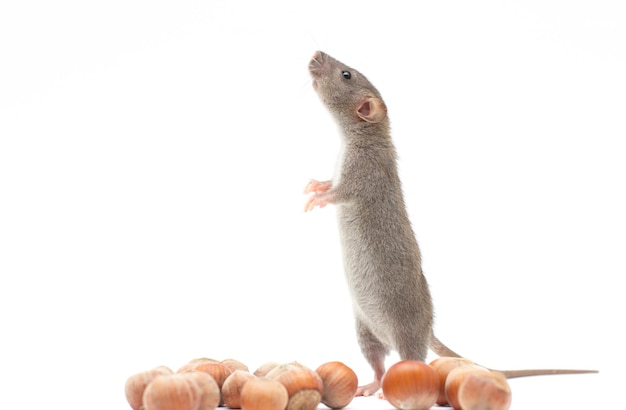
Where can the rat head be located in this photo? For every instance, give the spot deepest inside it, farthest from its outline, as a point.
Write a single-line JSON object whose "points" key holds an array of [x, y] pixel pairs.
{"points": [[349, 96]]}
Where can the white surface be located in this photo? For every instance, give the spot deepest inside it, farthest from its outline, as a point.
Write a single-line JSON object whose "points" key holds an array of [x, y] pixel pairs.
{"points": [[153, 154]]}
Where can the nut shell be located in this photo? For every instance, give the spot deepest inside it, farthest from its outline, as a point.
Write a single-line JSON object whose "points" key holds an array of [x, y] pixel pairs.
{"points": [[193, 363], [443, 366], [279, 369], [264, 394], [485, 391], [233, 365], [411, 385], [208, 389], [265, 368], [217, 370], [171, 392], [137, 383], [455, 379], [340, 384], [304, 386], [231, 389]]}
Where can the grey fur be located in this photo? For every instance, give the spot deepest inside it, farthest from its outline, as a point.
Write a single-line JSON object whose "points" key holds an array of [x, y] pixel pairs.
{"points": [[391, 298], [382, 262]]}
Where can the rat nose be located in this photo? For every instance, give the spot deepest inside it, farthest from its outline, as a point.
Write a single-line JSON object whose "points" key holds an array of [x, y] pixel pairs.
{"points": [[318, 55]]}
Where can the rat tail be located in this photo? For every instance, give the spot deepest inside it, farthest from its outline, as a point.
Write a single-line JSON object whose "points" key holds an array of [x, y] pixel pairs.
{"points": [[442, 350], [510, 374]]}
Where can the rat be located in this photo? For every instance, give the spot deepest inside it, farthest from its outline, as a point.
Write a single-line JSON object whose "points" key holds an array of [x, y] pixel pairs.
{"points": [[391, 299]]}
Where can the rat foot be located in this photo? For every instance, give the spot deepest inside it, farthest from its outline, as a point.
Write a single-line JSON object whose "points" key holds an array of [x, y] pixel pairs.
{"points": [[317, 186], [368, 389], [316, 200]]}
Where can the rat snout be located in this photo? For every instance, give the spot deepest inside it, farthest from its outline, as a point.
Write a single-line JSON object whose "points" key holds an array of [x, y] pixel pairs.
{"points": [[320, 67], [317, 64], [316, 68], [319, 56]]}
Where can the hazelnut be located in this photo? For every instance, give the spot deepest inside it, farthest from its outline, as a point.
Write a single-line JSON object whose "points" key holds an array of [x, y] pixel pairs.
{"points": [[171, 392], [443, 366], [409, 384], [264, 394], [455, 379], [340, 384], [137, 383], [304, 386], [208, 389], [485, 391], [231, 389]]}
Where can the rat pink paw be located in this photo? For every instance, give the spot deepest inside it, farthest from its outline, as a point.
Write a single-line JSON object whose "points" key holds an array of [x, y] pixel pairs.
{"points": [[316, 200], [368, 389], [317, 186]]}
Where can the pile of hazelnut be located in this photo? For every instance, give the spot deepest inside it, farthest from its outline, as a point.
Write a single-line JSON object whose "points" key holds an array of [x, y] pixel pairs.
{"points": [[205, 384], [446, 381]]}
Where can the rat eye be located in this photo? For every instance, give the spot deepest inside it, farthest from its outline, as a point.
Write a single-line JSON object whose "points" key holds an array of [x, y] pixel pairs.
{"points": [[346, 75]]}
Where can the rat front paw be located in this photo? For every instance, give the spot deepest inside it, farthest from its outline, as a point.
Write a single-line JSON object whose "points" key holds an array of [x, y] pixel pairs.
{"points": [[320, 200], [317, 187]]}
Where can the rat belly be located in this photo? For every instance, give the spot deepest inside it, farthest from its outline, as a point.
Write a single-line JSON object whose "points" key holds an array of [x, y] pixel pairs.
{"points": [[390, 294]]}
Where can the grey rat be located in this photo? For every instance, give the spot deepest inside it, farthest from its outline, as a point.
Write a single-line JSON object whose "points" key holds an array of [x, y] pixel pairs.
{"points": [[390, 295]]}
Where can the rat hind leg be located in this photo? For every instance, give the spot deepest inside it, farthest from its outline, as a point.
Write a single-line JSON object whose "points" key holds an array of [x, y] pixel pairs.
{"points": [[412, 342], [413, 351], [374, 351]]}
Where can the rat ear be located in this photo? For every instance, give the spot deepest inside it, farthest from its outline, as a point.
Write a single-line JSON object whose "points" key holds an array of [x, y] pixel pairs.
{"points": [[372, 109]]}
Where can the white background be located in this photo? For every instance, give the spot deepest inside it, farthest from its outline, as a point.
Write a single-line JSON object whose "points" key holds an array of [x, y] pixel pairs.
{"points": [[153, 156]]}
